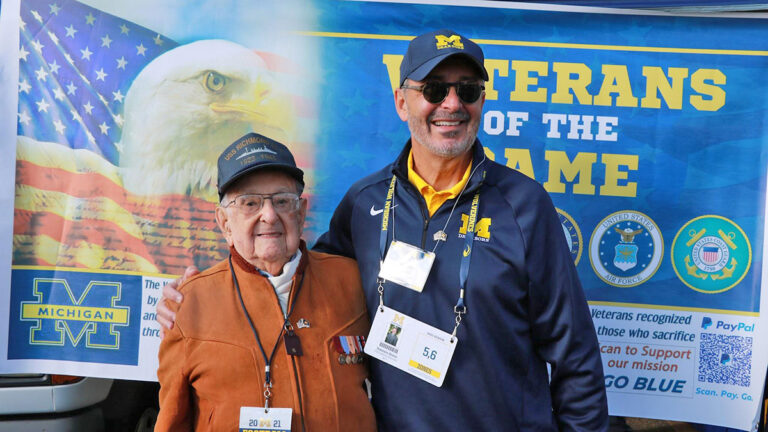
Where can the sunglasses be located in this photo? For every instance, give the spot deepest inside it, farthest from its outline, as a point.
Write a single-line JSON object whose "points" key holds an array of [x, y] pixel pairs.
{"points": [[435, 92]]}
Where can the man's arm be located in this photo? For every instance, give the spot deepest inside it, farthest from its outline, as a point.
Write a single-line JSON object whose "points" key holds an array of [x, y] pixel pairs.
{"points": [[165, 316], [561, 323], [175, 403]]}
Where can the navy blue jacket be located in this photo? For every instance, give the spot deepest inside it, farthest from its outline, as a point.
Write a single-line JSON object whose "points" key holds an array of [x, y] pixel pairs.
{"points": [[525, 306]]}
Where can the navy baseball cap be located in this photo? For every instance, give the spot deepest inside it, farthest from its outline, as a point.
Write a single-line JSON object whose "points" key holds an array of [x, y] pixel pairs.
{"points": [[428, 50], [253, 152]]}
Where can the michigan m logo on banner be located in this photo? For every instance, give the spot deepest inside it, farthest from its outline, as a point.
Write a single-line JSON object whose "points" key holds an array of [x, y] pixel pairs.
{"points": [[453, 41], [75, 315], [62, 316]]}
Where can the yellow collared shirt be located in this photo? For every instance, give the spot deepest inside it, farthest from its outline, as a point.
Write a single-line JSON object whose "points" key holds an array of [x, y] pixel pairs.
{"points": [[435, 198]]}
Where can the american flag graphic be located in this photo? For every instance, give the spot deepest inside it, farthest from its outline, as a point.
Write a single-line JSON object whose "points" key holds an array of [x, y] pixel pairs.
{"points": [[74, 206], [76, 65], [710, 254]]}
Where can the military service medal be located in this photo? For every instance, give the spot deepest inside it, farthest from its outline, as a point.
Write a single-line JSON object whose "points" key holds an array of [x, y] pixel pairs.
{"points": [[350, 349]]}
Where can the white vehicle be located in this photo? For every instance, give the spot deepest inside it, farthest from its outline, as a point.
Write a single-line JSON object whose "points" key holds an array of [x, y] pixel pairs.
{"points": [[51, 403]]}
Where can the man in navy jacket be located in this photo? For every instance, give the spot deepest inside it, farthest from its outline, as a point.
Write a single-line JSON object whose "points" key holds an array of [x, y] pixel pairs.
{"points": [[524, 303], [502, 279]]}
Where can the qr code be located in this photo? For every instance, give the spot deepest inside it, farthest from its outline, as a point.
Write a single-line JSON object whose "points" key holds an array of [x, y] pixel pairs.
{"points": [[725, 359]]}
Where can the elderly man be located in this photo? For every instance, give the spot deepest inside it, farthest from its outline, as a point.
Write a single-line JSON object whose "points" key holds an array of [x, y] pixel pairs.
{"points": [[468, 259], [262, 339]]}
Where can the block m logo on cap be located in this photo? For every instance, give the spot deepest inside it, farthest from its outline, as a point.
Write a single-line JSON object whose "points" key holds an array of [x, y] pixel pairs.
{"points": [[453, 41]]}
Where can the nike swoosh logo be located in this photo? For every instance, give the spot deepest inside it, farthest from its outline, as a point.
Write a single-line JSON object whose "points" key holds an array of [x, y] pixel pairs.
{"points": [[375, 212]]}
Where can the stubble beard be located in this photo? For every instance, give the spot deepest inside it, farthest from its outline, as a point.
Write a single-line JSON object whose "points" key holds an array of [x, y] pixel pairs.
{"points": [[420, 132]]}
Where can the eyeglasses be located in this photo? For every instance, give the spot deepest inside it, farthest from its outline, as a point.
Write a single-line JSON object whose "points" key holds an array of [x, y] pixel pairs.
{"points": [[435, 92], [283, 202]]}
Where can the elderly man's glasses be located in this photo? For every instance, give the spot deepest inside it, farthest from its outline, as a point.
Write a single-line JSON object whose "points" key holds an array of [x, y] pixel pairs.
{"points": [[435, 92], [283, 202]]}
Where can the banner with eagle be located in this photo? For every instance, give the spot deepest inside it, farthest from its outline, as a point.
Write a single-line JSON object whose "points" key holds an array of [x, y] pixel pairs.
{"points": [[648, 129]]}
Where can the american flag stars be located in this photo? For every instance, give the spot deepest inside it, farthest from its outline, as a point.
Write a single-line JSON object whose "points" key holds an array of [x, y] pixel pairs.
{"points": [[54, 67], [24, 86], [86, 53], [24, 118], [76, 65]]}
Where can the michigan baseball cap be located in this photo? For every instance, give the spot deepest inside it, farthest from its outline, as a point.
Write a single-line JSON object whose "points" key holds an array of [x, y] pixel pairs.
{"points": [[428, 50], [253, 152]]}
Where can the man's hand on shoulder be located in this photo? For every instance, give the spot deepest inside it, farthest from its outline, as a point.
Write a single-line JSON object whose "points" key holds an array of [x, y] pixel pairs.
{"points": [[165, 316]]}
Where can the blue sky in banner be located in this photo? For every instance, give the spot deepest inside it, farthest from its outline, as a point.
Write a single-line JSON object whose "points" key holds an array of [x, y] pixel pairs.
{"points": [[691, 161]]}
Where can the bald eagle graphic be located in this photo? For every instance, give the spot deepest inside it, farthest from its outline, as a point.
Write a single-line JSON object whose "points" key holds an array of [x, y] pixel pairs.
{"points": [[186, 106], [153, 211]]}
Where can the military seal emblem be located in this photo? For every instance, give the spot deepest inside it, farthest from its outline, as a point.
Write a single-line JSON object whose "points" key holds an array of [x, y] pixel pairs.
{"points": [[711, 254], [572, 235], [626, 248]]}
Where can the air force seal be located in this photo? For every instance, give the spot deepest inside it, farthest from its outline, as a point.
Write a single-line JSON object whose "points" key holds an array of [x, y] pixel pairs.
{"points": [[626, 248], [711, 254]]}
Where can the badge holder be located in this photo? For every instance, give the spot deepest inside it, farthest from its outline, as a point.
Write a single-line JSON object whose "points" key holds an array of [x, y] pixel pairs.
{"points": [[407, 265], [265, 419], [411, 345]]}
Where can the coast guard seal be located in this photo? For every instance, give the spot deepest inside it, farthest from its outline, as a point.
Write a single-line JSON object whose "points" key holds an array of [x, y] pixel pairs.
{"points": [[626, 248], [711, 254]]}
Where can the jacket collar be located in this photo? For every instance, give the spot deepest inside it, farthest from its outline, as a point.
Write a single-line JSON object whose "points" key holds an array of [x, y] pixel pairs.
{"points": [[247, 267], [400, 167]]}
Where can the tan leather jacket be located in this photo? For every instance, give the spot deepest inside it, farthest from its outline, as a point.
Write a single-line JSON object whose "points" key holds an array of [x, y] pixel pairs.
{"points": [[211, 365]]}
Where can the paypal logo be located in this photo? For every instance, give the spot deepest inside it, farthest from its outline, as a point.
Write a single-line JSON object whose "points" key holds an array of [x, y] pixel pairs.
{"points": [[706, 322], [733, 327], [725, 358]]}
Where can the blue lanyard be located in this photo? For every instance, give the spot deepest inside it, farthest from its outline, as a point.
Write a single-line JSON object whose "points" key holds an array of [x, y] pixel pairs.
{"points": [[385, 218], [460, 308]]}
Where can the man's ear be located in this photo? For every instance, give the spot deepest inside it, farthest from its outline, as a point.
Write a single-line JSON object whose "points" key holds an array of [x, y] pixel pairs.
{"points": [[400, 105], [222, 220]]}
